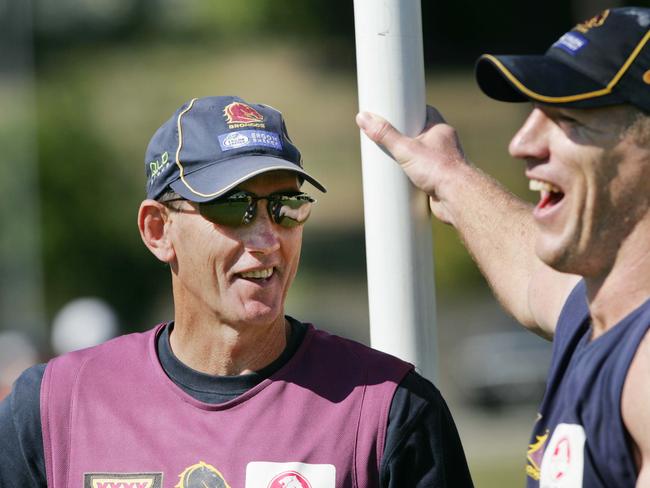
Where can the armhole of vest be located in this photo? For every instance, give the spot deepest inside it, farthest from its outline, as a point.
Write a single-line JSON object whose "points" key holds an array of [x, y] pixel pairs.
{"points": [[574, 304], [56, 414], [405, 369], [357, 434], [45, 422], [382, 418]]}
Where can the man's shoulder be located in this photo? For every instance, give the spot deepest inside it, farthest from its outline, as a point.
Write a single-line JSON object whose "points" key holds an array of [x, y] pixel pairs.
{"points": [[636, 390], [362, 351], [28, 385], [119, 350], [417, 397], [22, 460]]}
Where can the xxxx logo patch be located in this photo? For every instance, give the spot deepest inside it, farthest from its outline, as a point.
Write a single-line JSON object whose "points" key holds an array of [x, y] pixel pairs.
{"points": [[123, 480]]}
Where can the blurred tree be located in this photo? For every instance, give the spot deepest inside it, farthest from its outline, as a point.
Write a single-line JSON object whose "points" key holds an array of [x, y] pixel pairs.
{"points": [[89, 244], [21, 274], [90, 248], [454, 32]]}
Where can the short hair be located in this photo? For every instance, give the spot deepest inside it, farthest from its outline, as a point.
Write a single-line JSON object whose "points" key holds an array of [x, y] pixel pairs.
{"points": [[168, 194], [170, 199], [639, 127]]}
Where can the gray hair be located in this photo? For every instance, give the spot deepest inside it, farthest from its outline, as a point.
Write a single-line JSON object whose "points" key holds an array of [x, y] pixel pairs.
{"points": [[639, 127]]}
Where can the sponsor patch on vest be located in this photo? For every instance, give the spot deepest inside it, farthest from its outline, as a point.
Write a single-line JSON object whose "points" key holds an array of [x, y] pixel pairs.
{"points": [[123, 480], [260, 474], [201, 475], [563, 461]]}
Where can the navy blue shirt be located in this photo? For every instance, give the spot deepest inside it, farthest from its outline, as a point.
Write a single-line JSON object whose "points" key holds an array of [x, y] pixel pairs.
{"points": [[422, 446], [579, 438]]}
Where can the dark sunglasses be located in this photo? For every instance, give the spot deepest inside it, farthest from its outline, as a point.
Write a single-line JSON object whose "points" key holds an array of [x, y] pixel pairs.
{"points": [[239, 209]]}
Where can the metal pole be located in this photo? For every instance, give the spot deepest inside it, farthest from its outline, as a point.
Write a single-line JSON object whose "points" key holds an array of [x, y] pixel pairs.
{"points": [[399, 246]]}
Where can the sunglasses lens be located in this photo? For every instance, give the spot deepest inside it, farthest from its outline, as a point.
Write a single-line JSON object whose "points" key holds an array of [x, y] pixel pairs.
{"points": [[291, 211], [239, 209], [231, 213]]}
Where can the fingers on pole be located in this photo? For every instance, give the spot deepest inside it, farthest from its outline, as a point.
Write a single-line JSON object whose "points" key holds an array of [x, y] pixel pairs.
{"points": [[380, 131]]}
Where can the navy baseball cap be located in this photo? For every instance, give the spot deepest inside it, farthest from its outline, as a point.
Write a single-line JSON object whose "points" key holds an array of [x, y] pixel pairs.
{"points": [[210, 145], [602, 61]]}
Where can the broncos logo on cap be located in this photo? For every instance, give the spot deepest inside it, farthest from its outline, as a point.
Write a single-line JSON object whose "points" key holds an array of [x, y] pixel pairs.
{"points": [[201, 475], [595, 21], [240, 113]]}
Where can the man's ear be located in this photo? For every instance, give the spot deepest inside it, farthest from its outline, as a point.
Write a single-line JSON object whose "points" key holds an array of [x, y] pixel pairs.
{"points": [[153, 218]]}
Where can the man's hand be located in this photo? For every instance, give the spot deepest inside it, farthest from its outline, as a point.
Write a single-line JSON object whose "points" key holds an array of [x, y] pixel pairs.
{"points": [[497, 227], [426, 159]]}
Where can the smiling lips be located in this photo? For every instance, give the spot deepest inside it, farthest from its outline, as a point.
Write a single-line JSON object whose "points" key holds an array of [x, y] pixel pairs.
{"points": [[258, 274], [549, 193]]}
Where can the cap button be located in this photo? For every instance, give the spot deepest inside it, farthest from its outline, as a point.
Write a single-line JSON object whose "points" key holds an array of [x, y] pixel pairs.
{"points": [[646, 77]]}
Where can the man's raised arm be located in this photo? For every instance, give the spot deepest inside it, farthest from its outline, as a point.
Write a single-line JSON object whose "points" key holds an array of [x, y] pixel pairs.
{"points": [[497, 227]]}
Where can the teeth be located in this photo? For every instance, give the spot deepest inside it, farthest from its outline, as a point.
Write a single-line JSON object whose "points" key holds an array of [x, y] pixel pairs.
{"points": [[539, 185], [260, 273]]}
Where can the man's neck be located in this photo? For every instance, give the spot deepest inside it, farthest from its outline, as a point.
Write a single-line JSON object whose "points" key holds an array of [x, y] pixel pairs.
{"points": [[623, 289], [222, 349]]}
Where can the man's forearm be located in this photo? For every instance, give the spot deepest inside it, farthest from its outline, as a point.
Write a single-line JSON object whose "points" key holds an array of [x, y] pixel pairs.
{"points": [[498, 231]]}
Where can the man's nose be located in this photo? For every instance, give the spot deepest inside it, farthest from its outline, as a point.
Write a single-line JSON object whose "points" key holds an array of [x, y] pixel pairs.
{"points": [[531, 140], [262, 234]]}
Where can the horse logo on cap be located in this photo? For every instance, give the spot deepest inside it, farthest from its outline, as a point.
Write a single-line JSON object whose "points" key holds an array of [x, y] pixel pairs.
{"points": [[239, 114], [595, 21]]}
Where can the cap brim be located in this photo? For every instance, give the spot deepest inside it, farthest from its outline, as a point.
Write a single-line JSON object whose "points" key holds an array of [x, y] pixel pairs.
{"points": [[217, 179], [540, 78]]}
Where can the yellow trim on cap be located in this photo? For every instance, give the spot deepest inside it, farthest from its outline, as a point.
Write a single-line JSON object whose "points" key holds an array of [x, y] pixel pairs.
{"points": [[571, 98], [181, 170]]}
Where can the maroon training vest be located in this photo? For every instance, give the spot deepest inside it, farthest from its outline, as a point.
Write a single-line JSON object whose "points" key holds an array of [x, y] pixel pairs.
{"points": [[113, 419]]}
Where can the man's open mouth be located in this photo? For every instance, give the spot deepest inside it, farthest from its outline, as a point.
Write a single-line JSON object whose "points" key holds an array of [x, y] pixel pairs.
{"points": [[549, 194]]}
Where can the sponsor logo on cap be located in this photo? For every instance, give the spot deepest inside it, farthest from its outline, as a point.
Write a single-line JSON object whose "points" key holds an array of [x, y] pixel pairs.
{"points": [[239, 114], [157, 166], [250, 138], [201, 475], [233, 141], [123, 480], [595, 21], [571, 42], [289, 479]]}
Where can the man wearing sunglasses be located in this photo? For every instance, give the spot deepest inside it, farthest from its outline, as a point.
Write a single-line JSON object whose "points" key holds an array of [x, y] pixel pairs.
{"points": [[576, 267], [232, 392]]}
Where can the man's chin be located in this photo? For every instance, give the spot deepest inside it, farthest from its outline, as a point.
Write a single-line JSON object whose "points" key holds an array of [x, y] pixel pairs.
{"points": [[261, 314], [553, 255]]}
